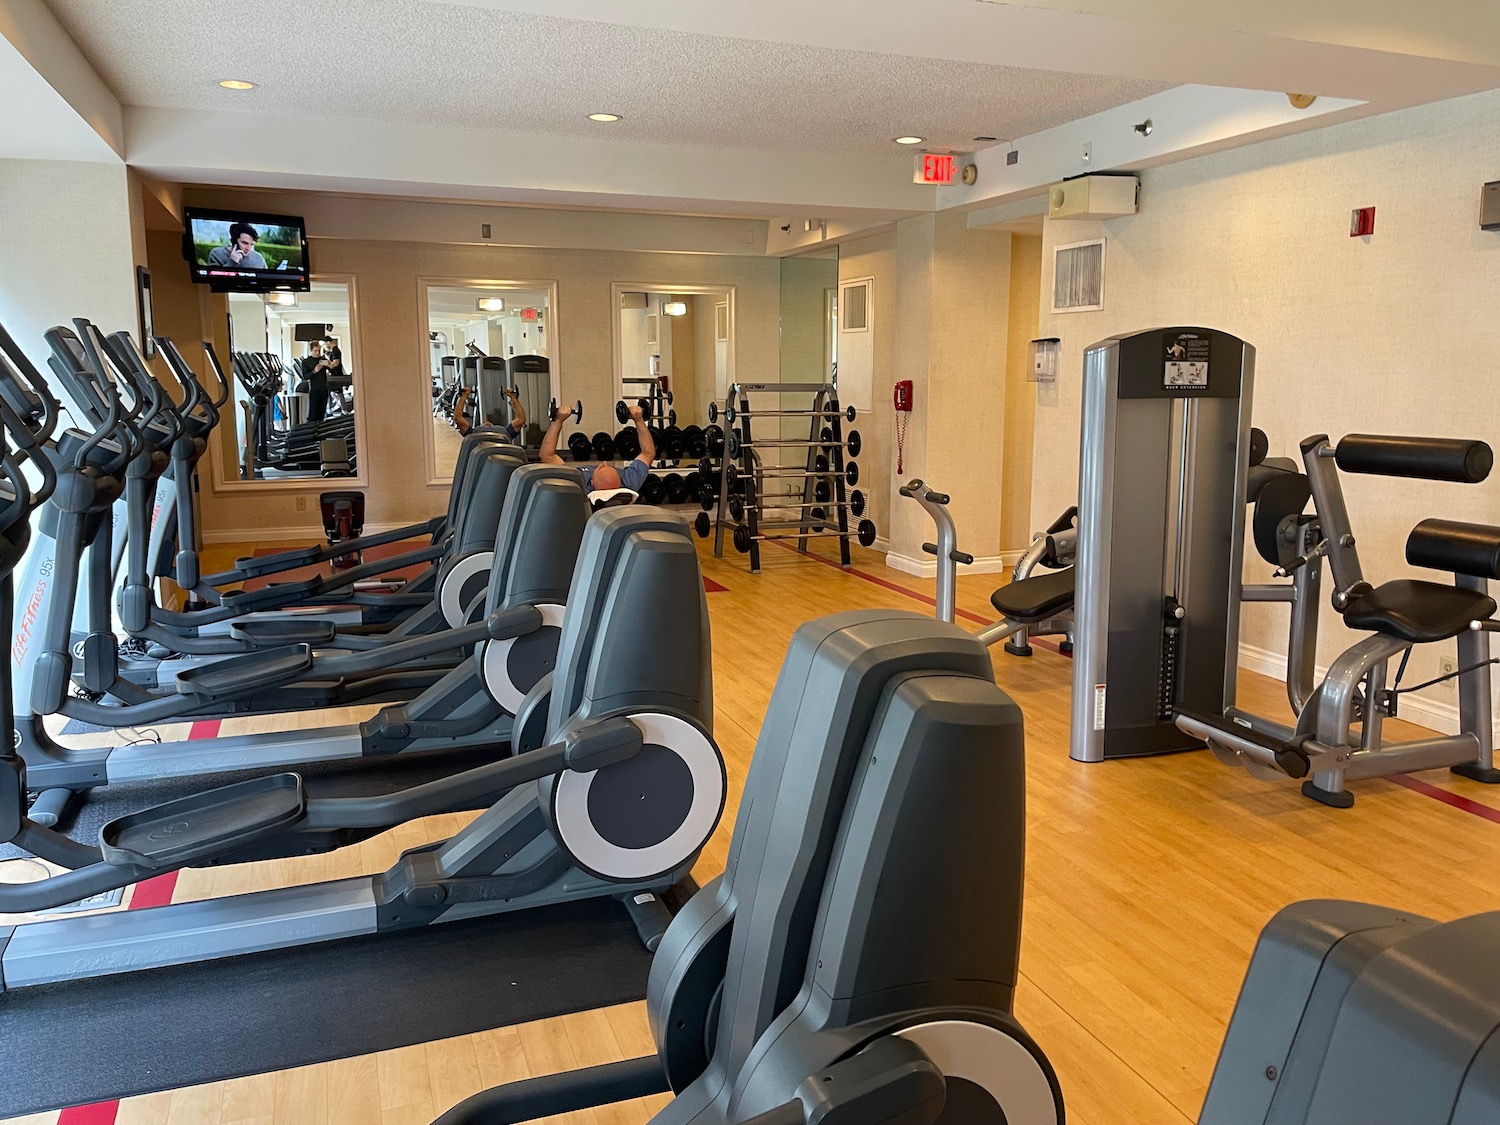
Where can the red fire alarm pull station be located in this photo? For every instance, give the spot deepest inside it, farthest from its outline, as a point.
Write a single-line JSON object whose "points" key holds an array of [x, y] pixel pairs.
{"points": [[1361, 222]]}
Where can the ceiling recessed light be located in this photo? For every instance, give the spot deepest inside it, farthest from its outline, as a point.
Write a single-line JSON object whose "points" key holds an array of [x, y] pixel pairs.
{"points": [[910, 140], [604, 117], [237, 84]]}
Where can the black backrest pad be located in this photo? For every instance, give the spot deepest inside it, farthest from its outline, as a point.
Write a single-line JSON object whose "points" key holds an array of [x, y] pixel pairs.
{"points": [[1459, 548], [1276, 494], [1454, 459], [821, 711]]}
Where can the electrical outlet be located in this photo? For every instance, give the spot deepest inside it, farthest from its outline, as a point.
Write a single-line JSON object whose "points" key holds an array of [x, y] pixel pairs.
{"points": [[1088, 152], [302, 503], [1447, 665]]}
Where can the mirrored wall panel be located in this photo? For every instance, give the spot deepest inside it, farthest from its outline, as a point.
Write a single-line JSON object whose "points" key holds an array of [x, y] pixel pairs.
{"points": [[679, 341], [295, 383], [489, 362]]}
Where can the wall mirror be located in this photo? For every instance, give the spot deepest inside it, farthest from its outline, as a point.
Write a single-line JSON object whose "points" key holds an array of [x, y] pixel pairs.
{"points": [[296, 409], [482, 337], [674, 339]]}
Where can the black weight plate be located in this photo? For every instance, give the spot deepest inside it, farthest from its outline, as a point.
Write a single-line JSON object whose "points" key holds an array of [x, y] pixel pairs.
{"points": [[671, 417], [817, 515], [732, 477], [671, 443], [866, 532], [742, 539], [854, 443], [715, 435], [827, 435], [737, 509], [604, 446], [675, 490], [850, 413], [694, 444], [622, 412], [578, 412], [702, 525], [580, 447], [627, 444], [823, 492], [690, 483], [857, 503], [851, 474], [820, 464], [652, 490], [707, 497]]}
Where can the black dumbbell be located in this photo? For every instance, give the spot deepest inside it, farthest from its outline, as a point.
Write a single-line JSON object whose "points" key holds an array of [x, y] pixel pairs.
{"points": [[604, 446], [577, 411], [652, 489], [715, 436], [694, 443], [676, 491], [627, 444], [580, 446], [671, 443], [622, 412], [702, 525]]}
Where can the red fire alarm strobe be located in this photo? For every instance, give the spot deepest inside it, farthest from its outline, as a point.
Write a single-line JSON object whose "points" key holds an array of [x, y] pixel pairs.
{"points": [[1361, 222]]}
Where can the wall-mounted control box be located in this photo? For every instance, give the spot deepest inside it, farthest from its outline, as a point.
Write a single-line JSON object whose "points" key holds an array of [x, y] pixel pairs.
{"points": [[1489, 206]]}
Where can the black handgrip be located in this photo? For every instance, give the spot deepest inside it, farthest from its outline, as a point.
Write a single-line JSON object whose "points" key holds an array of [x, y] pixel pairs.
{"points": [[1065, 522], [930, 548], [936, 497], [961, 557], [1463, 460], [911, 488], [1459, 548]]}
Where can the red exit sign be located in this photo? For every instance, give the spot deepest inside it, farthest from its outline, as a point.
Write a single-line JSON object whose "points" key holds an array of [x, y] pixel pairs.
{"points": [[935, 168]]}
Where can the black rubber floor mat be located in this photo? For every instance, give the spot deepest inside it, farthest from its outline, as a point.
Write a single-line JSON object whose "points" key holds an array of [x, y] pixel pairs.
{"points": [[77, 1044]]}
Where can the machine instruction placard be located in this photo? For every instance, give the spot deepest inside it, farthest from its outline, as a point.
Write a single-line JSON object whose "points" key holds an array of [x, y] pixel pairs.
{"points": [[1185, 360]]}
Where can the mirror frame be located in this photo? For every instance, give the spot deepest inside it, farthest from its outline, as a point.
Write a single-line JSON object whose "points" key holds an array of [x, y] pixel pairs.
{"points": [[424, 391]]}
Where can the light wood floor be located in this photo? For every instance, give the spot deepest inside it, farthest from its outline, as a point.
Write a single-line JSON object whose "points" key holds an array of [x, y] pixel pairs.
{"points": [[1147, 883]]}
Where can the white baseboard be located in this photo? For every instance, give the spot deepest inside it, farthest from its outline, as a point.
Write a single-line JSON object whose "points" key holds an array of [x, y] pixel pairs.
{"points": [[927, 567], [1435, 714], [280, 534]]}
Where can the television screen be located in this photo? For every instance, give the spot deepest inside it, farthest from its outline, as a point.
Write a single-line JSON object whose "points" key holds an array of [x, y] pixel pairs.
{"points": [[243, 251]]}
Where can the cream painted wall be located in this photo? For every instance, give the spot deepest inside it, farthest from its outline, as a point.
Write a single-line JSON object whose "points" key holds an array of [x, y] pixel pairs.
{"points": [[393, 388], [1388, 334], [68, 248], [1020, 394]]}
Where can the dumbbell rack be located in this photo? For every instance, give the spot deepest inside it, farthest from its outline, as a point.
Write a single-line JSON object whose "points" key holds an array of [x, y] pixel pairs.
{"points": [[659, 413], [742, 447]]}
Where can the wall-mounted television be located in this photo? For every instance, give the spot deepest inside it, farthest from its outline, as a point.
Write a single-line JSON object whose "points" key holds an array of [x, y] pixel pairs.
{"points": [[246, 252]]}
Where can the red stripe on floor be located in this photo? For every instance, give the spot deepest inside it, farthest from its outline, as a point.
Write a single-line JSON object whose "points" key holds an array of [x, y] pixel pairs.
{"points": [[712, 587], [205, 728], [100, 1113], [1448, 797]]}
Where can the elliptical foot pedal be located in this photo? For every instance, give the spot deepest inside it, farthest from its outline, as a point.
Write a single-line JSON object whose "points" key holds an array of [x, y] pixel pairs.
{"points": [[1475, 772], [205, 824], [1343, 799], [264, 669]]}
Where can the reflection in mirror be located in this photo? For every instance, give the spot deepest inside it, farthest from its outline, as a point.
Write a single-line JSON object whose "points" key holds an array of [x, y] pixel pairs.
{"points": [[809, 327], [295, 367], [483, 341], [680, 341]]}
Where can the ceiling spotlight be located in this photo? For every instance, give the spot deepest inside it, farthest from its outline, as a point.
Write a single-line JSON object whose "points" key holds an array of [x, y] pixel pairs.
{"points": [[283, 299], [237, 84], [491, 304], [1145, 127], [910, 140], [1301, 101], [606, 117], [674, 308]]}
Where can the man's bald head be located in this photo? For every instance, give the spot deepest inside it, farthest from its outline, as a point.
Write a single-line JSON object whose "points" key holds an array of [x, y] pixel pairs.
{"points": [[605, 478]]}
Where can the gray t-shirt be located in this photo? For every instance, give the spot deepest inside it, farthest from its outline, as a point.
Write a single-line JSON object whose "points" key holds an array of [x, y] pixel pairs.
{"points": [[219, 256]]}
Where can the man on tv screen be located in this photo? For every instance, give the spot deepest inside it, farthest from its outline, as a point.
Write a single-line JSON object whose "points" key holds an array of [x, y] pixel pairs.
{"points": [[240, 253]]}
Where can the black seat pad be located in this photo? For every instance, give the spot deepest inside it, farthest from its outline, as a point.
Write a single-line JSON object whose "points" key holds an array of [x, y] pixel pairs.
{"points": [[1036, 598], [1418, 611]]}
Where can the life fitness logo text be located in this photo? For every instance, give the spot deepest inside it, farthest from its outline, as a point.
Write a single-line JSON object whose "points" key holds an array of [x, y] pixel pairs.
{"points": [[27, 623]]}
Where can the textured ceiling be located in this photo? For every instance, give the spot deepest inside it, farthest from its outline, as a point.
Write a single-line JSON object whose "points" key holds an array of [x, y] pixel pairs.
{"points": [[415, 62]]}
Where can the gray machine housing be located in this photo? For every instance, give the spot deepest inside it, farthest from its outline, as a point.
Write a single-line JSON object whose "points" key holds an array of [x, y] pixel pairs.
{"points": [[1354, 1015]]}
